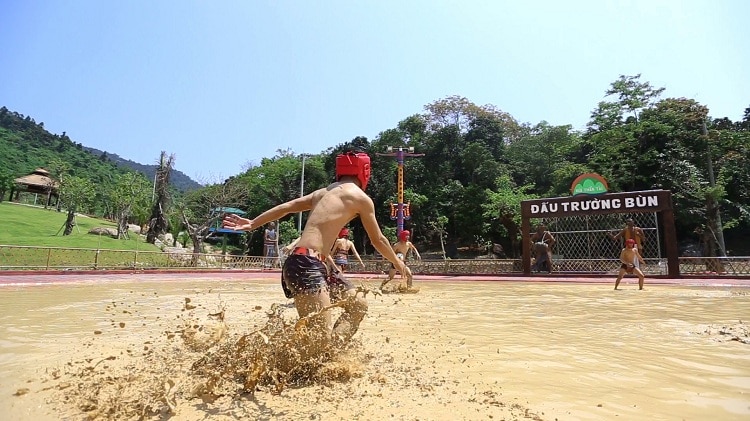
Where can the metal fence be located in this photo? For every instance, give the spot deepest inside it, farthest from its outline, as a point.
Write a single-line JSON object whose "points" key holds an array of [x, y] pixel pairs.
{"points": [[19, 258], [59, 258], [584, 242]]}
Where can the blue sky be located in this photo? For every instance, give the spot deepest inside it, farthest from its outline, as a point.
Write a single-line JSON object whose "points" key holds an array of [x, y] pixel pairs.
{"points": [[222, 84]]}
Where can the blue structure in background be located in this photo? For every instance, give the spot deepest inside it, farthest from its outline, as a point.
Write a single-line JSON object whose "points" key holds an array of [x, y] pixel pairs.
{"points": [[217, 229]]}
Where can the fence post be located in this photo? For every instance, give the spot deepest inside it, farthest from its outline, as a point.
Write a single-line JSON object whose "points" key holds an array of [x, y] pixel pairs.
{"points": [[49, 253]]}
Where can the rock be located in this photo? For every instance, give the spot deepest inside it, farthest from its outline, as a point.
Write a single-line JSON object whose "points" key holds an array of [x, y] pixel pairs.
{"points": [[167, 239], [112, 232]]}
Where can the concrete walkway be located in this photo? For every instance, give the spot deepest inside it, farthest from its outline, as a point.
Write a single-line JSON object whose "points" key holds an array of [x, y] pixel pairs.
{"points": [[38, 278]]}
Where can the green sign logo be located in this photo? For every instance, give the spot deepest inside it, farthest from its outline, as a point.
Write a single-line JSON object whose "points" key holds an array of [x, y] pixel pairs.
{"points": [[589, 183]]}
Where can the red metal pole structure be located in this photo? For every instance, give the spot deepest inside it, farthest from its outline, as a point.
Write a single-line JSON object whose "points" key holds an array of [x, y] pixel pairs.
{"points": [[400, 154]]}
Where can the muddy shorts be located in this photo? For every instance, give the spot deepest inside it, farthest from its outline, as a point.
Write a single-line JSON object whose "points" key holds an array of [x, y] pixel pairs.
{"points": [[303, 274], [627, 268], [338, 285]]}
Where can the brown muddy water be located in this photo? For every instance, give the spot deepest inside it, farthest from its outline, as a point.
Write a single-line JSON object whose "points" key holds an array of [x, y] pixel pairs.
{"points": [[454, 350]]}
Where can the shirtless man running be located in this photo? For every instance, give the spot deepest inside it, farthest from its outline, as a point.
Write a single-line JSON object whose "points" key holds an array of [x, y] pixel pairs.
{"points": [[304, 273], [402, 248]]}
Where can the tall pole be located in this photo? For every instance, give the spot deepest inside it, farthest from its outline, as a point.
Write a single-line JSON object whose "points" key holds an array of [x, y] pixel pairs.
{"points": [[400, 191], [400, 154], [153, 192], [301, 193]]}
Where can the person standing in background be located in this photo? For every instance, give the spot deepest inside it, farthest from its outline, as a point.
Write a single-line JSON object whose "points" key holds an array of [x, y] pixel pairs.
{"points": [[270, 246], [542, 242], [631, 232]]}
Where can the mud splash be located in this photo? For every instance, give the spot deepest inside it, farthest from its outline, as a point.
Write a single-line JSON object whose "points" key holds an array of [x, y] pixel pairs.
{"points": [[202, 359]]}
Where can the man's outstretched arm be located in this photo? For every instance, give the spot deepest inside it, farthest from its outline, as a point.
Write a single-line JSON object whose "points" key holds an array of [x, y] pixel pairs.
{"points": [[238, 223], [367, 216], [415, 250]]}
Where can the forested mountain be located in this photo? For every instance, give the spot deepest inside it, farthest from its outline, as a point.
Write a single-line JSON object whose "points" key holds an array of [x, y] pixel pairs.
{"points": [[178, 179], [25, 145]]}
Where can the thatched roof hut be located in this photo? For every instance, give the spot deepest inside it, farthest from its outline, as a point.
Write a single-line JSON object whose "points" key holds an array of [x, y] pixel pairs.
{"points": [[38, 182]]}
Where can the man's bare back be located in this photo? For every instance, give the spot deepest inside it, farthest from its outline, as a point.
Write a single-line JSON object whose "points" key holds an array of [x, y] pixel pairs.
{"points": [[342, 244], [330, 209]]}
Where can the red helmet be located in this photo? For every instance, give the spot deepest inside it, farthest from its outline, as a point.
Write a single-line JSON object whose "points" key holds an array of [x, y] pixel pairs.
{"points": [[344, 233], [354, 164], [403, 235], [629, 242]]}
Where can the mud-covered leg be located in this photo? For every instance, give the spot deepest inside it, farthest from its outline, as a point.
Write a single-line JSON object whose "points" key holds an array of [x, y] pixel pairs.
{"points": [[391, 275], [409, 278], [641, 277], [346, 326], [620, 274], [316, 335]]}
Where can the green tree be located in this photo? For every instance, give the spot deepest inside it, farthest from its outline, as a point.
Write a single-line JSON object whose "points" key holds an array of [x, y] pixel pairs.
{"points": [[437, 226], [75, 193], [6, 183], [539, 156], [633, 95], [130, 194], [459, 112], [58, 168], [504, 206]]}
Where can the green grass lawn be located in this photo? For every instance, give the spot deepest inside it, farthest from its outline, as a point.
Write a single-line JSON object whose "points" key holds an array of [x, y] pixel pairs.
{"points": [[22, 225]]}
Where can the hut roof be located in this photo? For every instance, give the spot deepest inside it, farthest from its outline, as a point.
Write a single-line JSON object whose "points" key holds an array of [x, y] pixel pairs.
{"points": [[39, 178]]}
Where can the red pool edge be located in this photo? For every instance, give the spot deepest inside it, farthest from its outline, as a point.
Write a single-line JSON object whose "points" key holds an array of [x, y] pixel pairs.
{"points": [[17, 277]]}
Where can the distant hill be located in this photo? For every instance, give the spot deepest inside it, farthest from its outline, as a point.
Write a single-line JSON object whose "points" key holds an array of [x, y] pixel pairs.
{"points": [[177, 178], [25, 145]]}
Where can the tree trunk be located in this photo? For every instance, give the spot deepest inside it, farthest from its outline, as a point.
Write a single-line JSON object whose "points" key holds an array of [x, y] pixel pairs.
{"points": [[70, 222], [158, 224], [709, 252], [197, 243], [122, 223], [442, 243], [513, 234]]}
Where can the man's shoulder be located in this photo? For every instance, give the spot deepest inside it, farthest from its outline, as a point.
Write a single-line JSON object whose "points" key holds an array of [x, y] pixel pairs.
{"points": [[344, 189]]}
